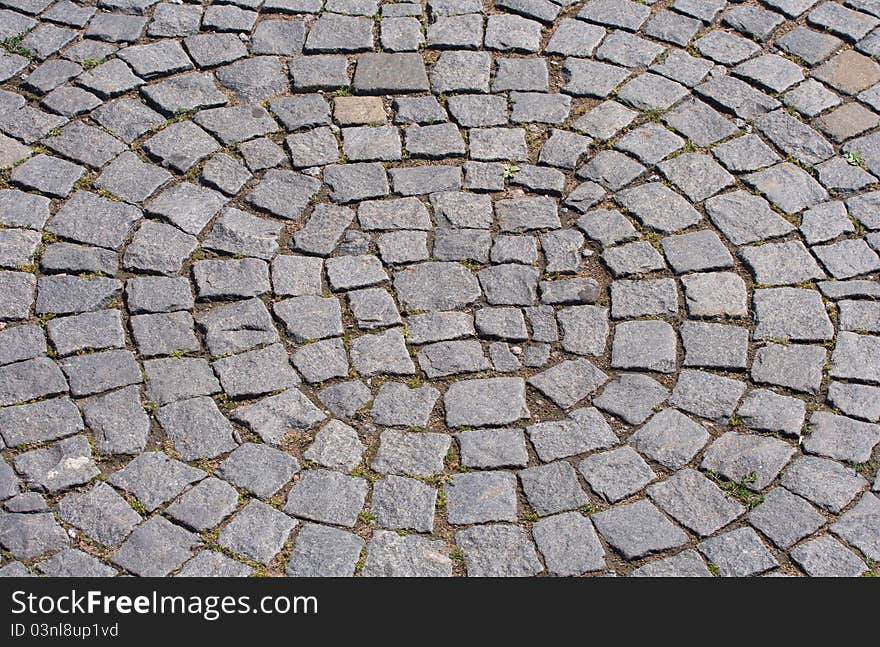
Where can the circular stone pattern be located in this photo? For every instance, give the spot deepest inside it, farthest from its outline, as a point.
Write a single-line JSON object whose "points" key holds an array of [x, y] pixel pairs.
{"points": [[439, 288]]}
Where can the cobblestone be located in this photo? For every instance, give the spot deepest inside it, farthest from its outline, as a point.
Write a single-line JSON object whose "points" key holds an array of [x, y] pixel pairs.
{"points": [[428, 287]]}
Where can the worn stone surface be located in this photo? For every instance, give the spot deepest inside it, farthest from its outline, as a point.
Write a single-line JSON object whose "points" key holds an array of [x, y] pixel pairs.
{"points": [[257, 532], [858, 526], [393, 555], [369, 267], [785, 518], [738, 553], [322, 551], [695, 502], [498, 550]]}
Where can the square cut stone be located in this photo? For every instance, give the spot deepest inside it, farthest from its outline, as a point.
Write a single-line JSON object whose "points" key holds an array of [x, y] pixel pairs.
{"points": [[370, 143], [256, 372], [841, 438], [788, 187], [697, 175], [616, 474], [738, 553], [797, 367], [322, 551], [336, 446], [322, 360], [205, 505], [823, 481], [785, 518], [695, 502], [585, 430], [659, 207], [230, 278], [687, 563], [100, 513], [651, 92], [485, 402], [638, 529], [412, 453], [396, 404], [640, 298], [764, 410], [354, 111], [714, 345], [781, 263], [771, 72], [682, 67], [391, 74], [328, 497], [605, 120], [696, 252], [746, 153], [812, 46], [381, 353], [856, 400], [855, 357], [569, 544], [181, 145], [827, 557], [849, 72], [745, 218], [39, 422], [498, 550], [707, 395], [568, 382], [811, 98], [847, 121], [492, 448], [553, 488], [847, 258], [272, 418], [587, 78], [648, 345], [481, 497], [670, 438], [92, 330], [46, 174], [258, 468], [96, 372], [858, 526], [403, 503], [209, 563], [155, 479], [633, 397], [156, 548], [309, 318], [622, 14], [197, 428], [749, 459], [725, 48], [791, 313], [257, 532]]}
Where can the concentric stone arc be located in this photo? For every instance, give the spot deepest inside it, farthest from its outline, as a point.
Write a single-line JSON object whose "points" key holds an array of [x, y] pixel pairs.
{"points": [[440, 288]]}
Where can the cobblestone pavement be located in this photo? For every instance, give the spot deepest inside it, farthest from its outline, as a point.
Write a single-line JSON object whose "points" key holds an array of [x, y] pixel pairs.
{"points": [[508, 288]]}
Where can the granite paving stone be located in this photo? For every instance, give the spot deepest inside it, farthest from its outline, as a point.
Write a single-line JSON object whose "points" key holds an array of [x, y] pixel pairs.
{"points": [[695, 502], [638, 529], [324, 551], [858, 526], [785, 517], [385, 268], [498, 550], [392, 555], [738, 553]]}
